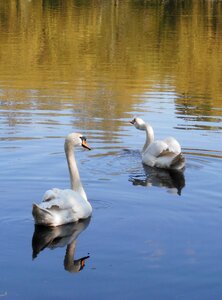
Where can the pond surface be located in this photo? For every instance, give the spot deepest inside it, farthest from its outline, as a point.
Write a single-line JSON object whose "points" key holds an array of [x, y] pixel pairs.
{"points": [[90, 67]]}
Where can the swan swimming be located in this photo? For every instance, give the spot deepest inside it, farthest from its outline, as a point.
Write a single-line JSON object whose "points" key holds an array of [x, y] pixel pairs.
{"points": [[60, 207], [160, 153]]}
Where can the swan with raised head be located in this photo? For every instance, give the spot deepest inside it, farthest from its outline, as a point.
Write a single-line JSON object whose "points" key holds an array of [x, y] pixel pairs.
{"points": [[60, 207], [160, 153]]}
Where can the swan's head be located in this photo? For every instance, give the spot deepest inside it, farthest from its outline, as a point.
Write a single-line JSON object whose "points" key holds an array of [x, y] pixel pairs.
{"points": [[138, 123], [76, 139]]}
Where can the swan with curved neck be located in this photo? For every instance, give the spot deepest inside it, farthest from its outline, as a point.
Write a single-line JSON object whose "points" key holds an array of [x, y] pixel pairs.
{"points": [[160, 153], [60, 207]]}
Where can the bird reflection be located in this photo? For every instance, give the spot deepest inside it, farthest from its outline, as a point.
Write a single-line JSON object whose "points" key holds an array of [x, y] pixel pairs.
{"points": [[61, 236], [174, 180]]}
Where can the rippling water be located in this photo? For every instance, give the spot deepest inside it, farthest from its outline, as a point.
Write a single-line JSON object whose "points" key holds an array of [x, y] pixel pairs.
{"points": [[91, 66]]}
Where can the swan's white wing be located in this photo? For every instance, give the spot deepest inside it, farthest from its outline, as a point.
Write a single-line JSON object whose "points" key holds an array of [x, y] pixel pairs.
{"points": [[156, 148], [51, 194], [68, 202], [64, 199], [173, 145]]}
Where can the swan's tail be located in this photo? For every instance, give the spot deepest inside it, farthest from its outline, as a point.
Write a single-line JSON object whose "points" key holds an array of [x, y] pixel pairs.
{"points": [[178, 162], [42, 216]]}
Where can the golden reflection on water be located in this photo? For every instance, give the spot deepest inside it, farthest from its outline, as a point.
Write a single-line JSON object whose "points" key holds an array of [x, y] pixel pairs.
{"points": [[109, 54]]}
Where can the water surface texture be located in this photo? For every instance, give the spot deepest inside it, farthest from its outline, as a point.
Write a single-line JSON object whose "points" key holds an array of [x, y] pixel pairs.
{"points": [[90, 67]]}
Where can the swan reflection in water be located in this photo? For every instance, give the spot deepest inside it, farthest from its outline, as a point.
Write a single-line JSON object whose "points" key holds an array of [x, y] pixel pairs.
{"points": [[174, 180], [61, 236]]}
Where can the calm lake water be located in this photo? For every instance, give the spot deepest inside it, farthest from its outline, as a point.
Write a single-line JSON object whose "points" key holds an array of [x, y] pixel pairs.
{"points": [[90, 67]]}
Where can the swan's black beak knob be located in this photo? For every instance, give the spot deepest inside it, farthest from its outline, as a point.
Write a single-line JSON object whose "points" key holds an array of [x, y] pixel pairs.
{"points": [[84, 143]]}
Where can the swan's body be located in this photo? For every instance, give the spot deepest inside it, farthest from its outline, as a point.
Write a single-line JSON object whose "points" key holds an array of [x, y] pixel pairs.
{"points": [[160, 153], [60, 207]]}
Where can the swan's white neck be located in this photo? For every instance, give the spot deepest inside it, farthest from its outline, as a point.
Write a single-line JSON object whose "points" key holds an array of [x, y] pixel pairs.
{"points": [[149, 136], [75, 181]]}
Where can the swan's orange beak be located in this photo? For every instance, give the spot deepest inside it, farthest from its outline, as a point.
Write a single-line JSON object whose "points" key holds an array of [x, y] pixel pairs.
{"points": [[85, 145], [132, 122]]}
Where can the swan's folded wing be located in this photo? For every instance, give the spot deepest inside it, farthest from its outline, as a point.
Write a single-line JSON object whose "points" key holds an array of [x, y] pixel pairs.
{"points": [[166, 153], [173, 145], [65, 199], [171, 160], [156, 148], [50, 194]]}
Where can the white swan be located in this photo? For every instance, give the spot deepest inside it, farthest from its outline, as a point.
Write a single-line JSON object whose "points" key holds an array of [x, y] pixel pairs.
{"points": [[162, 154], [65, 206]]}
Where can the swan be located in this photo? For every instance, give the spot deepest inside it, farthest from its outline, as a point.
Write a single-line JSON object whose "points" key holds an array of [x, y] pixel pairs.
{"points": [[161, 154], [60, 207]]}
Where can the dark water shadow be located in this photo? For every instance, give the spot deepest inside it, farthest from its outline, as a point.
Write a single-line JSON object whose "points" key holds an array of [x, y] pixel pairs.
{"points": [[174, 180], [61, 236]]}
